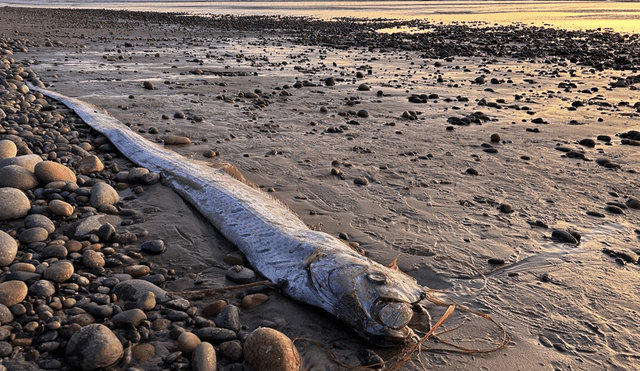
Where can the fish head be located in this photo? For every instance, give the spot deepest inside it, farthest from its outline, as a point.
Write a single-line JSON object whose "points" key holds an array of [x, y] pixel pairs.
{"points": [[376, 301]]}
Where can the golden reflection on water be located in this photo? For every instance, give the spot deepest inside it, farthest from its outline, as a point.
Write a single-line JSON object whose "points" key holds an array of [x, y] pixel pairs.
{"points": [[618, 16]]}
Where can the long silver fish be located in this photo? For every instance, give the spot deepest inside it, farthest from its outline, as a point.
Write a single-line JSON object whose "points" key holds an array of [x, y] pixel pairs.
{"points": [[309, 266]]}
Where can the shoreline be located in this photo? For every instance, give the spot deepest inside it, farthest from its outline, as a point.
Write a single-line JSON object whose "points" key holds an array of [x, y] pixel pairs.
{"points": [[413, 172]]}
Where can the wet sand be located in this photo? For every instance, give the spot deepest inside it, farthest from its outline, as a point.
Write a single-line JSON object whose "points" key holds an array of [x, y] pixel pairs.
{"points": [[405, 166]]}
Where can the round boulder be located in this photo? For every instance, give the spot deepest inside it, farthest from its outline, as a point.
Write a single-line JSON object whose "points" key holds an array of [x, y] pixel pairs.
{"points": [[94, 347], [26, 161], [8, 249], [7, 149], [12, 292], [267, 349], [14, 204], [49, 171], [103, 194], [89, 164], [59, 271], [17, 177]]}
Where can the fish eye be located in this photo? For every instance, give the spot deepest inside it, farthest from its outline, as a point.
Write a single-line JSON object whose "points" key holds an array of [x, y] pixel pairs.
{"points": [[377, 278]]}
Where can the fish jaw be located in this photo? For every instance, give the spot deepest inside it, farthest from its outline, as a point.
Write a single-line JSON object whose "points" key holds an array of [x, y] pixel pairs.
{"points": [[377, 302]]}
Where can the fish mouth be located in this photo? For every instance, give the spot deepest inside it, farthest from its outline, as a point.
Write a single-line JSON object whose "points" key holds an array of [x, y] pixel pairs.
{"points": [[394, 318]]}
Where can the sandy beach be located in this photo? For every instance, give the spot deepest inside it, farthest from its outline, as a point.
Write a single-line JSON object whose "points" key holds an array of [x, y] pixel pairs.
{"points": [[497, 165]]}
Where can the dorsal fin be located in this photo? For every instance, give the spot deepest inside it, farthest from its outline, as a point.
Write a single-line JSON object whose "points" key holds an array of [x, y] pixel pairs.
{"points": [[393, 265]]}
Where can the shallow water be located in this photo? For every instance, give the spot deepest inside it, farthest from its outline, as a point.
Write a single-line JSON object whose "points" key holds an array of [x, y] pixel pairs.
{"points": [[617, 16]]}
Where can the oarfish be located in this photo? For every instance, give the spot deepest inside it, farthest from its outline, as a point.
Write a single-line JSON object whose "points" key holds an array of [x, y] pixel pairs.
{"points": [[309, 266]]}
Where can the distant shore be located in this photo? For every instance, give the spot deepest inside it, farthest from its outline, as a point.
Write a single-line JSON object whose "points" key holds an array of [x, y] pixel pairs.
{"points": [[497, 164]]}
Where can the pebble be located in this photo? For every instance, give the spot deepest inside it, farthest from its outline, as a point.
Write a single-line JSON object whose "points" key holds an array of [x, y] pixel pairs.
{"points": [[59, 271], [614, 209], [8, 249], [175, 140], [133, 290], [240, 274], [89, 164], [31, 235], [253, 300], [213, 309], [14, 204], [61, 208], [48, 171], [148, 85], [229, 318], [215, 334], [132, 317], [17, 177], [267, 349], [5, 315], [36, 220], [564, 236], [231, 350], [364, 87], [44, 288], [94, 346], [187, 342], [153, 247], [137, 270], [361, 181], [12, 292], [147, 301], [7, 149], [204, 358], [103, 194], [26, 161], [92, 259]]}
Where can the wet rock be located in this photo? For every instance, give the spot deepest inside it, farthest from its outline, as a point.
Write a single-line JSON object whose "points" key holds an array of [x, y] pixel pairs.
{"points": [[361, 181], [14, 204], [215, 334], [240, 274], [204, 358], [267, 349], [153, 247], [229, 318], [369, 358], [48, 171], [564, 236], [93, 347], [175, 140], [614, 209], [137, 270], [8, 249], [105, 232], [253, 300], [633, 203]]}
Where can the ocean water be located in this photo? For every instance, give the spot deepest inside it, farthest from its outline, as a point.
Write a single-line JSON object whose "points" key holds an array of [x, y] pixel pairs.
{"points": [[623, 16]]}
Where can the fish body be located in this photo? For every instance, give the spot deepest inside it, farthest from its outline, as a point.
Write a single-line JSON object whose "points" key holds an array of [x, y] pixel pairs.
{"points": [[309, 266]]}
